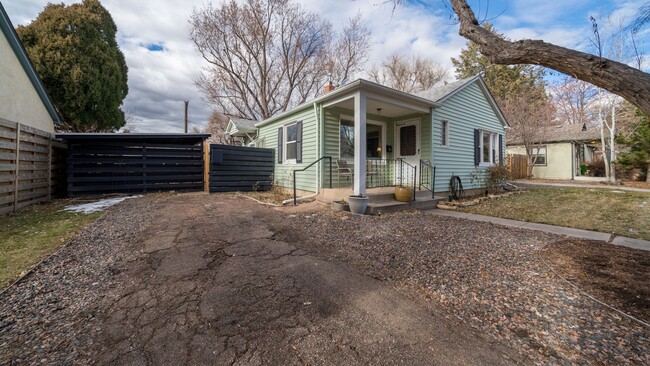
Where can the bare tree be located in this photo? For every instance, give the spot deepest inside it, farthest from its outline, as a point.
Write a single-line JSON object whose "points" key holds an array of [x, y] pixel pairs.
{"points": [[574, 101], [616, 77], [408, 75], [266, 56], [216, 127], [529, 118]]}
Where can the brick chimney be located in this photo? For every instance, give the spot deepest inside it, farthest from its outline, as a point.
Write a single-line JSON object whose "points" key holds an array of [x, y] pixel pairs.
{"points": [[328, 88]]}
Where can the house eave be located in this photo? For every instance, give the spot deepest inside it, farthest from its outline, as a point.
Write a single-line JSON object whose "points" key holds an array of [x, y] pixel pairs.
{"points": [[351, 88], [16, 45]]}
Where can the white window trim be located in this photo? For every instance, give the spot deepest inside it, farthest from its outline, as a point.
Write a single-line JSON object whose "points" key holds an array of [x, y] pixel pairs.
{"points": [[368, 122], [284, 144], [494, 160], [444, 128]]}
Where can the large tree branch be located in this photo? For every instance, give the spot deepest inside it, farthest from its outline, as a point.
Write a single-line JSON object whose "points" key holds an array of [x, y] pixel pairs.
{"points": [[618, 78]]}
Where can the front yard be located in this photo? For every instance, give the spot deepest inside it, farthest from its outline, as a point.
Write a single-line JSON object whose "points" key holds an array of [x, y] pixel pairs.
{"points": [[624, 213], [27, 236]]}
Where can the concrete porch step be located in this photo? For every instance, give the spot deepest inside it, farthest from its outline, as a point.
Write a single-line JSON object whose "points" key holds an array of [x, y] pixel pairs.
{"points": [[390, 196], [378, 207]]}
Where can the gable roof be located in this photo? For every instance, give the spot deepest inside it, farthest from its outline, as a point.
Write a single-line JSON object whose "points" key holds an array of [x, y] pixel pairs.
{"points": [[564, 133], [443, 92], [14, 42], [240, 126]]}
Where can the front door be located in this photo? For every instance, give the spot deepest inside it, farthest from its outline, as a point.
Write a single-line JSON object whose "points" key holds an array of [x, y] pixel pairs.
{"points": [[407, 147]]}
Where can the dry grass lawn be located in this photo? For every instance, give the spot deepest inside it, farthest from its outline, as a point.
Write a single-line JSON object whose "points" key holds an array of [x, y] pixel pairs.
{"points": [[29, 235], [624, 213]]}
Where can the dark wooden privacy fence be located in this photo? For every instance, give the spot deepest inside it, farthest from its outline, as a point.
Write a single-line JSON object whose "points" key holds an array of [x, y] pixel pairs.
{"points": [[134, 163], [239, 168], [32, 166]]}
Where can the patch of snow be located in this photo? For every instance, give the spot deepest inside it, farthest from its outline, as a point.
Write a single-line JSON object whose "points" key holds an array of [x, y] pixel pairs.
{"points": [[96, 206]]}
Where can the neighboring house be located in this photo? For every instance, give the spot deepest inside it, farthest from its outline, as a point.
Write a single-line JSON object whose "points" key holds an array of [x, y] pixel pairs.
{"points": [[241, 131], [457, 128], [23, 98], [563, 151]]}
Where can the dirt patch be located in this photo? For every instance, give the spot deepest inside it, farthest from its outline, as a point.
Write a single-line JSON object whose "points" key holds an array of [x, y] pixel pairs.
{"points": [[489, 276], [613, 274]]}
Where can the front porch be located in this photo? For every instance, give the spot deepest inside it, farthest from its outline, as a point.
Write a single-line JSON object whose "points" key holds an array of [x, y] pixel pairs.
{"points": [[377, 140]]}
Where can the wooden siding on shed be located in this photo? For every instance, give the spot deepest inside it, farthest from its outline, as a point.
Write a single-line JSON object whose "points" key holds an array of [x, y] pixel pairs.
{"points": [[465, 111]]}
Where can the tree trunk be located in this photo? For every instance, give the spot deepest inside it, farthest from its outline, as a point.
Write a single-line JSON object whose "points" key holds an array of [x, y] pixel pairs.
{"points": [[647, 175], [618, 78]]}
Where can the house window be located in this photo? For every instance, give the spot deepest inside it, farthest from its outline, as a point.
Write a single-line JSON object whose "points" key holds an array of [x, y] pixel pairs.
{"points": [[538, 155], [374, 139], [489, 143], [444, 130], [346, 139], [290, 142]]}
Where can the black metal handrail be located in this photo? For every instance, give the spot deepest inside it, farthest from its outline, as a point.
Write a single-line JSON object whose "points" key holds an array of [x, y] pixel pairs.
{"points": [[430, 170], [401, 171], [305, 168]]}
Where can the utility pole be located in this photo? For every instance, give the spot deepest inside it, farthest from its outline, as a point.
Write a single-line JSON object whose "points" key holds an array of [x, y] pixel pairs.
{"points": [[187, 102]]}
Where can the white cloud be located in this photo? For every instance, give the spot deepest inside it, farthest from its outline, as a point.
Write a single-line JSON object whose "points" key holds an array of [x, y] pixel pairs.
{"points": [[159, 81]]}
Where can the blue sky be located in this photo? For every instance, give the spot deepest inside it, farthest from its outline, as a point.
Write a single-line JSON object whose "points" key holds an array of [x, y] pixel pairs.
{"points": [[153, 34]]}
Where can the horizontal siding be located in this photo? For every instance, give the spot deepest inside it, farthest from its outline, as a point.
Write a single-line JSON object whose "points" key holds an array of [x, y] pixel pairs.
{"points": [[465, 111], [306, 180]]}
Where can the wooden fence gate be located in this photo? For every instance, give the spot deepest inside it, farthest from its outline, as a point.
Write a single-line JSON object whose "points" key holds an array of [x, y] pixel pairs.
{"points": [[32, 166], [517, 166], [239, 168]]}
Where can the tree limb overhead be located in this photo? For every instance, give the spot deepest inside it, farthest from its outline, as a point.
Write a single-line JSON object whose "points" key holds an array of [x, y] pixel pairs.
{"points": [[618, 78]]}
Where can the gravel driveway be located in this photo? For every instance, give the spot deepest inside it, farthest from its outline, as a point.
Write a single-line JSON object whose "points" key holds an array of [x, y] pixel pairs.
{"points": [[198, 279]]}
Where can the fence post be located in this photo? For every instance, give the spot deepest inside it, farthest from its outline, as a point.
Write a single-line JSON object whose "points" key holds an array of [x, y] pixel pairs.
{"points": [[206, 166], [17, 169], [49, 168]]}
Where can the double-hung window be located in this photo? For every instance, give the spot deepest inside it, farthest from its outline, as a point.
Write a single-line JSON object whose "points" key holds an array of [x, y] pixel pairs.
{"points": [[290, 142], [489, 144]]}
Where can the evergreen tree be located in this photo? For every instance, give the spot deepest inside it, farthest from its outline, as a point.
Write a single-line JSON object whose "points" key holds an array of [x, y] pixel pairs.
{"points": [[638, 157], [502, 80], [74, 50]]}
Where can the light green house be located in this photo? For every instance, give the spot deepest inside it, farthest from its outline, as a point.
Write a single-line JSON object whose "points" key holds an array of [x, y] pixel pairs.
{"points": [[387, 137]]}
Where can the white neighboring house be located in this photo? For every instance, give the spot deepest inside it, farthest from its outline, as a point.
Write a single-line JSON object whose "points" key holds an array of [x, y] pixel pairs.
{"points": [[562, 152], [23, 99]]}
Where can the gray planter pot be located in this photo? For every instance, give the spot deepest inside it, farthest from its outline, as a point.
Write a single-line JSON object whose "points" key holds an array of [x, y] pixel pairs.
{"points": [[358, 205]]}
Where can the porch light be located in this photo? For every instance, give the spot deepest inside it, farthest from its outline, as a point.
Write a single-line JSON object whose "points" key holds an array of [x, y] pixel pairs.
{"points": [[378, 149]]}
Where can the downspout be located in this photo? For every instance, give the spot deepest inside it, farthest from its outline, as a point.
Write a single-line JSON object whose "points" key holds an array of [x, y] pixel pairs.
{"points": [[318, 176]]}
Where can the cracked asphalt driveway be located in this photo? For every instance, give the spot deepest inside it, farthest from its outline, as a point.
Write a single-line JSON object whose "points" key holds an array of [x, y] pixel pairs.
{"points": [[210, 285]]}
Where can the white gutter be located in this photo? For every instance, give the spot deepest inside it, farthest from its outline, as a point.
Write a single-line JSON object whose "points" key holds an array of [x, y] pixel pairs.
{"points": [[299, 199], [318, 176]]}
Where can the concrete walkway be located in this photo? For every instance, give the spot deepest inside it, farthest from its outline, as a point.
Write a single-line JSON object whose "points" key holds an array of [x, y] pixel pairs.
{"points": [[527, 183], [560, 230]]}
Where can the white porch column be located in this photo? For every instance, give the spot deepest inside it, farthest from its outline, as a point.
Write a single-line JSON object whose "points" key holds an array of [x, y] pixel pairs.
{"points": [[360, 143]]}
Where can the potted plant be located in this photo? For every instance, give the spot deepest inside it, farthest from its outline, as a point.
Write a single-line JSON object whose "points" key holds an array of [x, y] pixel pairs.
{"points": [[404, 193], [358, 204]]}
